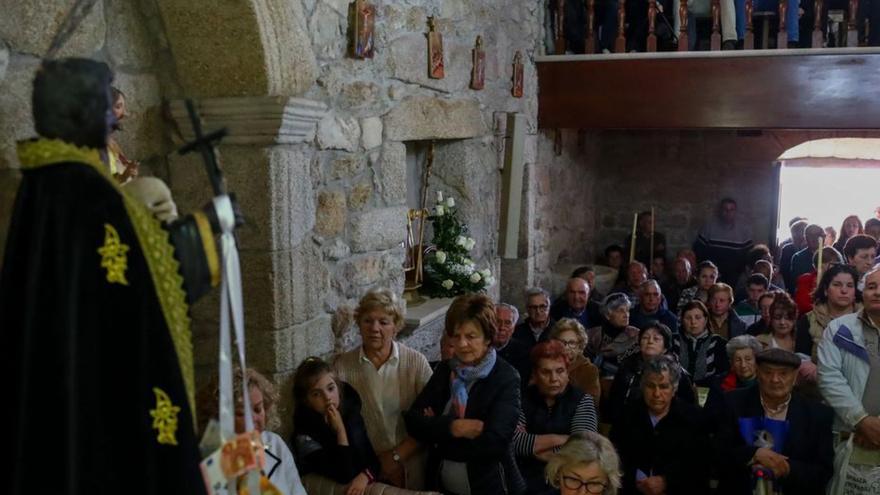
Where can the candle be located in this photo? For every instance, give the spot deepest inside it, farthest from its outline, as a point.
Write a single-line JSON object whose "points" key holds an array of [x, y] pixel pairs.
{"points": [[819, 260], [632, 240]]}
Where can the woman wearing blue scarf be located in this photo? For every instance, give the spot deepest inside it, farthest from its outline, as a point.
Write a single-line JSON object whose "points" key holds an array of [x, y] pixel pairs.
{"points": [[469, 408]]}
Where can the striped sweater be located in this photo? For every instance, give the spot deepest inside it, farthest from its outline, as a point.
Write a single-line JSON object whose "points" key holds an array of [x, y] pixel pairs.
{"points": [[703, 357]]}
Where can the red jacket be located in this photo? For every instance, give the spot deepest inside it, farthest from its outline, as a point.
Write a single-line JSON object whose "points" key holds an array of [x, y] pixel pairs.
{"points": [[803, 293]]}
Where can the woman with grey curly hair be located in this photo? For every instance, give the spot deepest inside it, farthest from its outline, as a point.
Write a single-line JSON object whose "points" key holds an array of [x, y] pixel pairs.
{"points": [[587, 460], [614, 340]]}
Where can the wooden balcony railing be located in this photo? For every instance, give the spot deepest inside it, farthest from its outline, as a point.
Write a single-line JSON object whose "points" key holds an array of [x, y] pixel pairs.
{"points": [[817, 37]]}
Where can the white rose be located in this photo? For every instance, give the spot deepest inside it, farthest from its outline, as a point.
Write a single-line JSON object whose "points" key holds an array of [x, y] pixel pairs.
{"points": [[461, 241], [440, 211], [485, 273], [468, 268], [447, 284], [450, 202], [490, 281], [441, 257], [468, 262], [439, 196], [475, 277], [470, 243]]}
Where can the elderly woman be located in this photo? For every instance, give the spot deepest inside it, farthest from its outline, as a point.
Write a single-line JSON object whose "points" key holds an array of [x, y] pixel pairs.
{"points": [[662, 440], [701, 353], [741, 351], [388, 376], [835, 296], [280, 468], [654, 340], [581, 372], [587, 462], [469, 409], [615, 340], [551, 411]]}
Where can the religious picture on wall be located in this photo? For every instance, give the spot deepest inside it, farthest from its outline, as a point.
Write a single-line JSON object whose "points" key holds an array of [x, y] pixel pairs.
{"points": [[435, 51], [363, 16], [478, 72], [517, 89]]}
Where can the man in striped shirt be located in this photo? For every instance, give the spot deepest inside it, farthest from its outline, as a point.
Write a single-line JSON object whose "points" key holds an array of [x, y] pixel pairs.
{"points": [[725, 241]]}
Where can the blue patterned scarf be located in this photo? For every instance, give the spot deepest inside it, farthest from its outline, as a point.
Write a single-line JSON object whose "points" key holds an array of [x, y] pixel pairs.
{"points": [[464, 376]]}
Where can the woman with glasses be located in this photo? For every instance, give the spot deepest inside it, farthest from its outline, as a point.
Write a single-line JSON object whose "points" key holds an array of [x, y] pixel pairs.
{"points": [[587, 463], [552, 409], [581, 372], [654, 340]]}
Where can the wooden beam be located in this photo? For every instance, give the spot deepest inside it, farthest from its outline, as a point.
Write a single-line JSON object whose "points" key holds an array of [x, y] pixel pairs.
{"points": [[512, 185]]}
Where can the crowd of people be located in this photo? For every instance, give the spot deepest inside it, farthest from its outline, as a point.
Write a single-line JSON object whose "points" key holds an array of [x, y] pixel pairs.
{"points": [[739, 386]]}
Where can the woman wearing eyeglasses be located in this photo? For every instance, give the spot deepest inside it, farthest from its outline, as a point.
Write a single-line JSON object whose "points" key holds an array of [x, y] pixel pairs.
{"points": [[586, 463], [581, 372]]}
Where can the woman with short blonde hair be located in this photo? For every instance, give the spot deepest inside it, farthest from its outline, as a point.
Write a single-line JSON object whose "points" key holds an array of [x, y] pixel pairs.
{"points": [[586, 460], [581, 372]]}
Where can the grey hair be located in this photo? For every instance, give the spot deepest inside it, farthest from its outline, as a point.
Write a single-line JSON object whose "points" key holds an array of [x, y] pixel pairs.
{"points": [[874, 269], [614, 302], [511, 308], [687, 263], [651, 281], [741, 342], [537, 291], [660, 364], [586, 447]]}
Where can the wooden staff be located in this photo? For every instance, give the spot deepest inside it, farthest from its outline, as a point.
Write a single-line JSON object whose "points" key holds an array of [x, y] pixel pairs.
{"points": [[651, 261], [749, 41], [683, 26], [652, 16], [632, 241]]}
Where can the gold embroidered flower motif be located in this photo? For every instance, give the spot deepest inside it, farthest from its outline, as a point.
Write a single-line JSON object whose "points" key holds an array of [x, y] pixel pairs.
{"points": [[165, 418], [113, 256]]}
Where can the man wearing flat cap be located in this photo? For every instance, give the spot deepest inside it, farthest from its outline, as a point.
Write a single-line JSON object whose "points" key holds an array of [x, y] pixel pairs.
{"points": [[770, 428]]}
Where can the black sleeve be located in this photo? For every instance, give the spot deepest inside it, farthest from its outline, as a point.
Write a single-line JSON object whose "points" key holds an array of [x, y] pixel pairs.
{"points": [[803, 341], [613, 407], [336, 462], [689, 470], [197, 255], [424, 428], [814, 470]]}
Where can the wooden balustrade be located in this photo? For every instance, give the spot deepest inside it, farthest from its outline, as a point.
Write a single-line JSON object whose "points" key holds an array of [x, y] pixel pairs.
{"points": [[559, 20], [683, 27], [652, 26], [852, 32], [749, 39], [620, 42], [782, 35], [590, 45], [715, 40], [818, 38]]}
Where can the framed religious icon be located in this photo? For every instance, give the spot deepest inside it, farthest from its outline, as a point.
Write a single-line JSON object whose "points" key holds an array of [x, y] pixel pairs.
{"points": [[478, 72], [517, 89], [363, 16], [435, 51]]}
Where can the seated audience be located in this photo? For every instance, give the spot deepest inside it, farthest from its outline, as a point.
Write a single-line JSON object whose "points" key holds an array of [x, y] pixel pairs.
{"points": [[725, 241], [680, 280], [707, 275], [588, 273], [552, 410], [587, 462], [835, 296], [741, 352], [782, 335], [787, 251], [663, 441], [280, 468], [764, 303], [649, 308], [643, 240], [851, 227], [802, 261], [688, 254], [380, 365], [767, 269], [800, 459], [748, 309], [759, 252], [576, 302], [723, 321], [654, 340], [636, 275], [860, 252], [581, 372], [848, 369], [615, 340], [468, 411], [329, 434], [806, 283], [511, 350], [658, 269], [701, 353], [536, 327], [872, 228], [614, 258]]}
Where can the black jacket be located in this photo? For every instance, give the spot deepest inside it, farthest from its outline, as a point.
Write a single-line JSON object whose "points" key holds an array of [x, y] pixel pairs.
{"points": [[495, 400], [523, 333], [316, 446], [517, 355], [809, 446], [675, 449]]}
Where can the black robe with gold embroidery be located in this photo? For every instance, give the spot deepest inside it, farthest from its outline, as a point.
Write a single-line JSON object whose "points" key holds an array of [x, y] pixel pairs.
{"points": [[95, 332]]}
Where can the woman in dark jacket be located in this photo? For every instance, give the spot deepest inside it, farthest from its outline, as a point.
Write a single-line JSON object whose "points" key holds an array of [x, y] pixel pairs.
{"points": [[329, 435], [469, 408]]}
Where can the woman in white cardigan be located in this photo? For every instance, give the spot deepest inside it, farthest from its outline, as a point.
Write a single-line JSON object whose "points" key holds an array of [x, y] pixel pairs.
{"points": [[388, 376]]}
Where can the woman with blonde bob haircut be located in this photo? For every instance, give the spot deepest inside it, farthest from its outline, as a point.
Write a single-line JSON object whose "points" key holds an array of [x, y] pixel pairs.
{"points": [[586, 460], [581, 372], [381, 365]]}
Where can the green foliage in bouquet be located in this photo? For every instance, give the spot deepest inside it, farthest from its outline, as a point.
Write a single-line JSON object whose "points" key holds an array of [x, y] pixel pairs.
{"points": [[449, 270]]}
